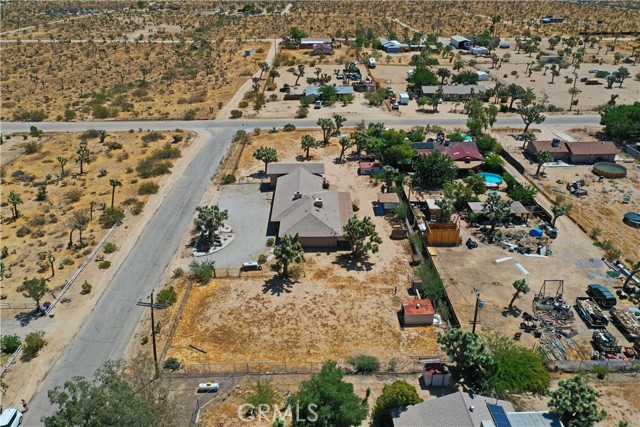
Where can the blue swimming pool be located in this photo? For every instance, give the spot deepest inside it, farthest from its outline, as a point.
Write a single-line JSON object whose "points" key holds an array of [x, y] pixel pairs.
{"points": [[491, 178]]}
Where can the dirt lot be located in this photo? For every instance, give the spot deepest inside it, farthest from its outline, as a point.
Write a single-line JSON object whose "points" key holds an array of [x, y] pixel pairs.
{"points": [[606, 203], [260, 319], [44, 226]]}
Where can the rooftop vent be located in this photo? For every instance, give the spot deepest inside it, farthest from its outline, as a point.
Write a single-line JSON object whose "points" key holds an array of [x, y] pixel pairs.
{"points": [[417, 305], [472, 408], [297, 195], [317, 203], [555, 142]]}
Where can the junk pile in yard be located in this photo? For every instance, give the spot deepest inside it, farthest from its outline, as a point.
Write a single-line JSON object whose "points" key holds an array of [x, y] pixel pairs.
{"points": [[576, 188], [518, 240]]}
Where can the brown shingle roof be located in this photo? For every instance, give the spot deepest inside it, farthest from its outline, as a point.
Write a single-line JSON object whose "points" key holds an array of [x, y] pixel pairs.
{"points": [[546, 145], [593, 148], [285, 168]]}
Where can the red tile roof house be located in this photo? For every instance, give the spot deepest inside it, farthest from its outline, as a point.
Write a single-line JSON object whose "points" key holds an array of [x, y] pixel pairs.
{"points": [[465, 154]]}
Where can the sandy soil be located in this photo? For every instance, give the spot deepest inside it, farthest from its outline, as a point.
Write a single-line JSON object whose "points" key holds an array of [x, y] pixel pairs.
{"points": [[67, 77], [606, 203], [305, 322], [70, 316]]}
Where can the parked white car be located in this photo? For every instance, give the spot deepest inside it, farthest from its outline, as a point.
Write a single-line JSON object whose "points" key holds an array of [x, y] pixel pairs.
{"points": [[11, 417]]}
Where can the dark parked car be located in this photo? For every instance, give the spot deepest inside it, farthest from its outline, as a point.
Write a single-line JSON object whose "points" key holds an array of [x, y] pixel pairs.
{"points": [[601, 295]]}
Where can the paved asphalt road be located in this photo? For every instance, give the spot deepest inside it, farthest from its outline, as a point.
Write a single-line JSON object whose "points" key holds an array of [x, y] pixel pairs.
{"points": [[564, 120], [106, 333]]}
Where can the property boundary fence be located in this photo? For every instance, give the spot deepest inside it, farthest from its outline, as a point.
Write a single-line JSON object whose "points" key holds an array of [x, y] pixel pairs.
{"points": [[63, 290], [18, 305], [512, 161], [573, 366], [632, 151]]}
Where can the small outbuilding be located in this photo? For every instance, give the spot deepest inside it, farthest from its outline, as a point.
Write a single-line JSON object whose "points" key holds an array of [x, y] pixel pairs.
{"points": [[483, 76], [478, 50], [369, 168], [460, 42], [390, 201], [309, 42], [436, 375], [417, 312]]}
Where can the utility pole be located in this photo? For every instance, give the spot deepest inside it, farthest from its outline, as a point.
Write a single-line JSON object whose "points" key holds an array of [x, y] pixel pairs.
{"points": [[573, 90], [475, 315], [153, 328]]}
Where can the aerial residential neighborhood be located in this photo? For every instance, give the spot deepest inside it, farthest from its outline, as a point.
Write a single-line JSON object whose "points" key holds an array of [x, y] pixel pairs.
{"points": [[371, 213]]}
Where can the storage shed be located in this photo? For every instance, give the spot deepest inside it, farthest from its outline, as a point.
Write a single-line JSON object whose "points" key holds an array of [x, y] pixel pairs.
{"points": [[390, 201], [436, 375], [460, 42], [478, 50], [417, 312], [483, 76], [369, 168]]}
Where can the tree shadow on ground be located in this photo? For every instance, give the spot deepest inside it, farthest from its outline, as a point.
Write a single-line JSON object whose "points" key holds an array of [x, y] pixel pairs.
{"points": [[351, 263], [258, 175], [513, 311], [27, 316], [278, 285]]}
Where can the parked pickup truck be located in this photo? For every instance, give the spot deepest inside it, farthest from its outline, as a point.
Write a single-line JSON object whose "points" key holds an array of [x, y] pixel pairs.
{"points": [[591, 313], [606, 343]]}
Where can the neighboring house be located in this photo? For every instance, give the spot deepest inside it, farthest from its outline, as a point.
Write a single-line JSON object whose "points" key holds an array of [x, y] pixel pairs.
{"points": [[313, 92], [467, 410], [592, 151], [417, 312], [309, 42], [453, 92], [323, 49], [276, 170], [301, 206], [389, 201], [557, 148], [460, 42], [576, 151], [465, 154], [369, 168], [550, 59], [393, 46]]}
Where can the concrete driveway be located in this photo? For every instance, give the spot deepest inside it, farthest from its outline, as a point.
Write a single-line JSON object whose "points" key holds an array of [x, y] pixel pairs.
{"points": [[249, 216]]}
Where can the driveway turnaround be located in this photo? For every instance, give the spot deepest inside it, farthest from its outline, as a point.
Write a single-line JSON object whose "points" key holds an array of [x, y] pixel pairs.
{"points": [[106, 333]]}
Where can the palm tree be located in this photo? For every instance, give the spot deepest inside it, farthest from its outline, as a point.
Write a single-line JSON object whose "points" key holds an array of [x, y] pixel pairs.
{"points": [[520, 286], [14, 201], [114, 183]]}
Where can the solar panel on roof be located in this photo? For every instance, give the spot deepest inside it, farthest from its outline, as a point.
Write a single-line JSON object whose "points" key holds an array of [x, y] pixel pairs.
{"points": [[499, 416]]}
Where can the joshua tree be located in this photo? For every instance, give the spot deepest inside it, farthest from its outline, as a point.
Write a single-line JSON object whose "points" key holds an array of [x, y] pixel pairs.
{"points": [[575, 402], [208, 221], [114, 183], [327, 127], [496, 209], [79, 221], [288, 251], [84, 155], [623, 73], [308, 142], [51, 259], [444, 74], [266, 155], [520, 286], [527, 137], [530, 114], [35, 289], [264, 67], [344, 143], [92, 204], [14, 201], [298, 74], [63, 161], [544, 156], [362, 236], [103, 135], [560, 209], [339, 121], [273, 74]]}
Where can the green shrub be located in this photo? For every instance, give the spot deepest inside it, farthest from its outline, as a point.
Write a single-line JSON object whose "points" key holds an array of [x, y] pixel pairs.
{"points": [[31, 147], [23, 231], [166, 152], [172, 363], [153, 136], [243, 104], [103, 265], [289, 127], [149, 168], [167, 296], [148, 187], [10, 343], [364, 364], [109, 248], [86, 287], [111, 216], [30, 116], [113, 145], [302, 112], [236, 114], [202, 271], [178, 272], [262, 259], [190, 114], [177, 138], [33, 343], [270, 241], [145, 340], [137, 207], [228, 178]]}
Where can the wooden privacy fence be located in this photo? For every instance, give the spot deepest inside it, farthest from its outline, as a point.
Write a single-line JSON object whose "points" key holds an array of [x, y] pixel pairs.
{"points": [[442, 234]]}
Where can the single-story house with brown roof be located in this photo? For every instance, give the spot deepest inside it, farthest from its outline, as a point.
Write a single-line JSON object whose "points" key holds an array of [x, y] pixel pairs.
{"points": [[301, 206], [276, 170], [592, 151], [576, 151], [557, 148]]}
